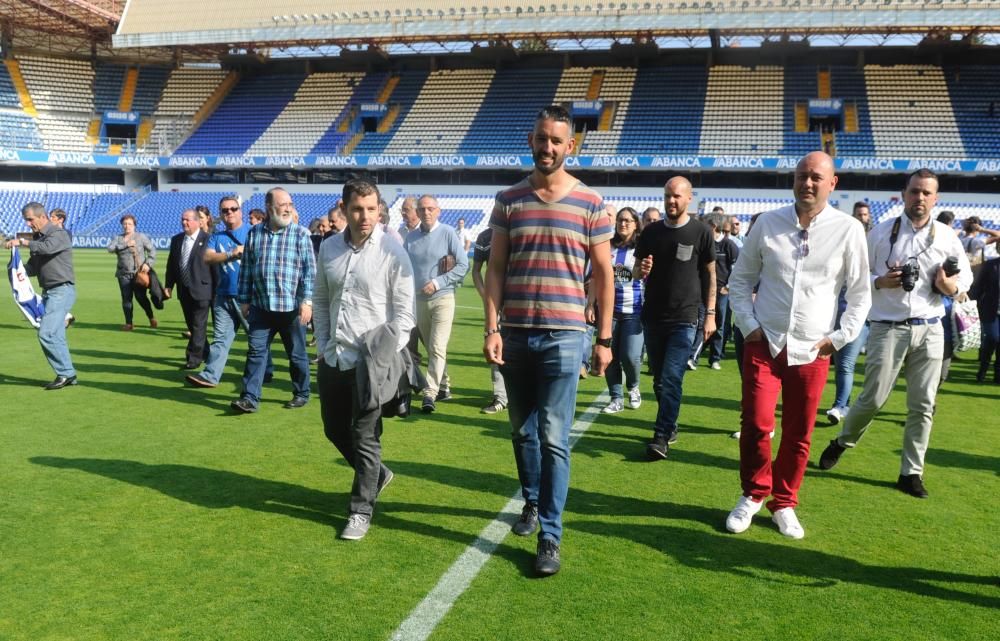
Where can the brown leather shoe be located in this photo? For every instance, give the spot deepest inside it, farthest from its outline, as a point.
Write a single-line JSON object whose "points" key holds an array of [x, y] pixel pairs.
{"points": [[154, 323], [128, 327]]}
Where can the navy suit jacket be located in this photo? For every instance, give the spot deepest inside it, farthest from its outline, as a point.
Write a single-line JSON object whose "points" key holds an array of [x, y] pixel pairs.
{"points": [[201, 273]]}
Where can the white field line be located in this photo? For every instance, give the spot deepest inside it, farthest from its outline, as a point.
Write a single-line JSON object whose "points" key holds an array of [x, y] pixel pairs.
{"points": [[424, 618]]}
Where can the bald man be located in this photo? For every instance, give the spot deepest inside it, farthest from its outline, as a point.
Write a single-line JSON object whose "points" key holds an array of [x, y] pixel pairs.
{"points": [[799, 257], [677, 258]]}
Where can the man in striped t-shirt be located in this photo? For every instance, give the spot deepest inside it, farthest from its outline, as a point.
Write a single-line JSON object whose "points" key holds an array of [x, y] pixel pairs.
{"points": [[544, 229]]}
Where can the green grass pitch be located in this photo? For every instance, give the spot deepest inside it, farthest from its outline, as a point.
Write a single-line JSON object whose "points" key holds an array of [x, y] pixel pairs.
{"points": [[135, 508]]}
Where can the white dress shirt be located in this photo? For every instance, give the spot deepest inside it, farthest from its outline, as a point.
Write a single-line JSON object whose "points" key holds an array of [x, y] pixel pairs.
{"points": [[922, 302], [358, 289], [796, 302]]}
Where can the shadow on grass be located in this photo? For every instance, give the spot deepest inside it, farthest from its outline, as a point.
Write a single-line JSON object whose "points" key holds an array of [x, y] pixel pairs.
{"points": [[754, 560], [964, 460]]}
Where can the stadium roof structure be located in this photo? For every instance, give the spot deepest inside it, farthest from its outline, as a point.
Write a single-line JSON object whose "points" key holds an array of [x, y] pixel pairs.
{"points": [[277, 23]]}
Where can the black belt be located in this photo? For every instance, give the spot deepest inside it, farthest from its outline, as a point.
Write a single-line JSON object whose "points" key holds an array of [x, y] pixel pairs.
{"points": [[911, 321]]}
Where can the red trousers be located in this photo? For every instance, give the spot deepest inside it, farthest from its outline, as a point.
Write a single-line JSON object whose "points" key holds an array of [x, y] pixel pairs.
{"points": [[801, 386]]}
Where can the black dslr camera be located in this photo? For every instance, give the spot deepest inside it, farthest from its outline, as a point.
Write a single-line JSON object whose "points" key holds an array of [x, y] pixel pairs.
{"points": [[910, 274]]}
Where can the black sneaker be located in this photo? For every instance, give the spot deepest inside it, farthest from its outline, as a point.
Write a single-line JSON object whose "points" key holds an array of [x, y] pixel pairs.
{"points": [[243, 406], [547, 557], [656, 450], [912, 484], [444, 394], [672, 438], [427, 406], [528, 523], [831, 455], [384, 480]]}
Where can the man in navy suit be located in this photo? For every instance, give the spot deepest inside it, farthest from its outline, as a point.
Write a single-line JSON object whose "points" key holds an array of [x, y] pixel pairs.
{"points": [[186, 267]]}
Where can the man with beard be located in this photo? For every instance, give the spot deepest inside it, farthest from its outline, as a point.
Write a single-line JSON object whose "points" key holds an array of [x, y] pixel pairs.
{"points": [[274, 291], [799, 257], [544, 230], [677, 258], [906, 333]]}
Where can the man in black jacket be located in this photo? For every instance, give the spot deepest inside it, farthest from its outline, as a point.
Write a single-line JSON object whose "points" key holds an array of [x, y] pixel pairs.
{"points": [[986, 291], [186, 267]]}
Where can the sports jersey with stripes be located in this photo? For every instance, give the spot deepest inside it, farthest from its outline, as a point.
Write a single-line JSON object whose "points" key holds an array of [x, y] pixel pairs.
{"points": [[628, 291]]}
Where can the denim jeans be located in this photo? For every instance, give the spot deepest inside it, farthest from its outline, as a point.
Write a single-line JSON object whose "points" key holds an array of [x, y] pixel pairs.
{"points": [[541, 370], [990, 344], [845, 360], [626, 352], [52, 332], [717, 341], [668, 346], [264, 325], [128, 290]]}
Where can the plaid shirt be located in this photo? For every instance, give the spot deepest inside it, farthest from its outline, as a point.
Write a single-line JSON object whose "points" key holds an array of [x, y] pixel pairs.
{"points": [[278, 270]]}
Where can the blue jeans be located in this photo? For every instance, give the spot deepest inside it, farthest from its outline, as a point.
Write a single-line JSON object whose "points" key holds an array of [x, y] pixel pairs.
{"points": [[52, 331], [227, 320], [845, 360], [626, 354], [264, 325], [668, 346], [541, 370], [717, 341]]}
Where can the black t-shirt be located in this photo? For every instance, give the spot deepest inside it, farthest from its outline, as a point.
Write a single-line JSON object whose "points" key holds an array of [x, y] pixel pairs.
{"points": [[481, 250], [726, 253], [674, 286]]}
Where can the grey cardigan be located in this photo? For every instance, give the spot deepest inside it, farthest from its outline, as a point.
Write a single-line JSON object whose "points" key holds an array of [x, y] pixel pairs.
{"points": [[126, 259]]}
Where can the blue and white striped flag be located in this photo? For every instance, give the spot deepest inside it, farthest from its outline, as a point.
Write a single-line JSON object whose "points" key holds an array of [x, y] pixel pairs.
{"points": [[27, 300]]}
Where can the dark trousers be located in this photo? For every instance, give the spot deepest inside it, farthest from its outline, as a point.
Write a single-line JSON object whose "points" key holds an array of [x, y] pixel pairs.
{"points": [[355, 434], [990, 345], [196, 318], [129, 290]]}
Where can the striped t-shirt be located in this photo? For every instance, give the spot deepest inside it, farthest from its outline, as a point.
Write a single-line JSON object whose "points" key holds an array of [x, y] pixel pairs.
{"points": [[549, 247]]}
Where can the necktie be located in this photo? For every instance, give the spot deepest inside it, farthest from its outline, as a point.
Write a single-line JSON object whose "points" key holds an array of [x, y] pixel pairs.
{"points": [[185, 259]]}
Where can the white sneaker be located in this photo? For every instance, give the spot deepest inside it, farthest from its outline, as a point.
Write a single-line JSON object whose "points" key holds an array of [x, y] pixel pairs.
{"points": [[739, 519], [634, 398], [692, 365], [788, 523], [716, 365], [834, 415], [613, 407], [735, 435]]}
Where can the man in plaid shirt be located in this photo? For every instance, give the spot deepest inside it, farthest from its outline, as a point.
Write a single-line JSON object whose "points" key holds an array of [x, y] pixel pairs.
{"points": [[275, 295]]}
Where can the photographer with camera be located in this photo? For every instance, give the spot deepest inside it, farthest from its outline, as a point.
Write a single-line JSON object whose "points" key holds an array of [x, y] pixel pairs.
{"points": [[914, 262]]}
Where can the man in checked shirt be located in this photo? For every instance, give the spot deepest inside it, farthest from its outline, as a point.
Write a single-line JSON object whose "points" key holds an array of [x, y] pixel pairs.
{"points": [[275, 295]]}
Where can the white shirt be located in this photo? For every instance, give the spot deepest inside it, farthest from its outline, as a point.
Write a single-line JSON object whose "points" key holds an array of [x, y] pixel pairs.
{"points": [[923, 302], [359, 289], [796, 303]]}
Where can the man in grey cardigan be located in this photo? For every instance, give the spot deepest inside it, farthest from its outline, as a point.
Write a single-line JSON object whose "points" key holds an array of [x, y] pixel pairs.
{"points": [[52, 262], [439, 265]]}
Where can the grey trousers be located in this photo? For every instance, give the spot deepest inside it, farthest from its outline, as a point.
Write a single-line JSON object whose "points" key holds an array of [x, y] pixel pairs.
{"points": [[917, 350], [355, 434]]}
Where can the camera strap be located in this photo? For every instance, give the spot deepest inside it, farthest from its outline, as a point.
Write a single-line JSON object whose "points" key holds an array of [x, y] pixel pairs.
{"points": [[894, 235]]}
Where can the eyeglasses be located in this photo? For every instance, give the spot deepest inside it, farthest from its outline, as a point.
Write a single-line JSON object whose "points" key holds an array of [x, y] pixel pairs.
{"points": [[228, 210], [804, 247], [626, 221]]}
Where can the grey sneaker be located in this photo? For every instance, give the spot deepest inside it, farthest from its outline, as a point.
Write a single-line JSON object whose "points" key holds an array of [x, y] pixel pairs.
{"points": [[547, 557], [613, 407], [528, 523], [427, 405], [357, 527], [495, 406], [444, 394], [634, 398]]}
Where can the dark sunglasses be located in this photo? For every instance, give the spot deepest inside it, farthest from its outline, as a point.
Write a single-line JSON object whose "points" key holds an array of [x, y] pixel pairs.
{"points": [[228, 210]]}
